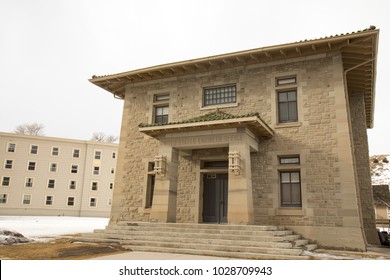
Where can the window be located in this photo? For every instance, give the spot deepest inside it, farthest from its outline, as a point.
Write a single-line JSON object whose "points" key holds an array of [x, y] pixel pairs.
{"points": [[33, 149], [31, 165], [161, 108], [11, 147], [53, 167], [3, 198], [287, 99], [289, 160], [29, 182], [111, 186], [287, 106], [55, 151], [98, 154], [112, 170], [219, 95], [74, 168], [72, 185], [161, 114], [113, 155], [6, 181], [109, 201], [49, 200], [26, 199], [96, 170], [290, 185], [51, 183], [70, 201], [150, 185], [93, 202], [8, 164], [76, 153], [94, 186]]}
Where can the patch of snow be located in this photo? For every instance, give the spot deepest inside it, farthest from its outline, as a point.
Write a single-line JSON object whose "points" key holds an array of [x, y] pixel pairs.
{"points": [[8, 237], [38, 227], [380, 169]]}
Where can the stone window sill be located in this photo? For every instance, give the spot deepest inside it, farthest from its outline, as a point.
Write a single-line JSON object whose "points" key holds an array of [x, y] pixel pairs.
{"points": [[213, 107], [287, 125], [290, 212]]}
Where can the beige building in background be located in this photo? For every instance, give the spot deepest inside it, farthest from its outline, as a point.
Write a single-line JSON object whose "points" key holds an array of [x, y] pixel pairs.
{"points": [[268, 136], [52, 176]]}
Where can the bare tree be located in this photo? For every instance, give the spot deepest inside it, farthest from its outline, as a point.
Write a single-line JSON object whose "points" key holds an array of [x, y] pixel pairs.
{"points": [[30, 129], [102, 137]]}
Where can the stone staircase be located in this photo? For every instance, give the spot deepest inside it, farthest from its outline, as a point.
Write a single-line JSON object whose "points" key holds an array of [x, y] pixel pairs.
{"points": [[229, 241]]}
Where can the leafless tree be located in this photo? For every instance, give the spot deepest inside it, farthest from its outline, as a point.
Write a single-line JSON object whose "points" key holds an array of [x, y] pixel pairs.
{"points": [[30, 129], [102, 137]]}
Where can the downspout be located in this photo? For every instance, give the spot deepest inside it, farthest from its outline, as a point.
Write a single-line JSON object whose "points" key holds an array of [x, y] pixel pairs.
{"points": [[353, 148]]}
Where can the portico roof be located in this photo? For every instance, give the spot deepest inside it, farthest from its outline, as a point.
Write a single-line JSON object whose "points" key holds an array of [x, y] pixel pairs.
{"points": [[358, 49], [215, 120]]}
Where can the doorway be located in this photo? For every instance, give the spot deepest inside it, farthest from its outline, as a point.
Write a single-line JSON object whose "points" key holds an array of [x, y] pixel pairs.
{"points": [[215, 198]]}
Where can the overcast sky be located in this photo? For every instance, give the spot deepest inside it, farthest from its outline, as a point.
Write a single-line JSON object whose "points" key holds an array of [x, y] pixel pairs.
{"points": [[49, 49]]}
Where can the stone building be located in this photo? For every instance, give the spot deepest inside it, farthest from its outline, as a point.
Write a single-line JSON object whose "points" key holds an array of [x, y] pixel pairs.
{"points": [[268, 136], [46, 176]]}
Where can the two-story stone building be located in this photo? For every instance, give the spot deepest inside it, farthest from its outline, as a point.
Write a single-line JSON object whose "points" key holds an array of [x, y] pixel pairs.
{"points": [[268, 136]]}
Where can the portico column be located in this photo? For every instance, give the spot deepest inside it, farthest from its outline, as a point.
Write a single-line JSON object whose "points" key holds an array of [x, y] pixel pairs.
{"points": [[240, 202], [165, 188]]}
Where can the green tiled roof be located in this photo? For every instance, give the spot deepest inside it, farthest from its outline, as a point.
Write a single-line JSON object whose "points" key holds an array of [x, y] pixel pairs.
{"points": [[214, 116]]}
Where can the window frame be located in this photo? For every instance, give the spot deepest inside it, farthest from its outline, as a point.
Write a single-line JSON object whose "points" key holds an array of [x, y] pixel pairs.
{"points": [[51, 200], [8, 163], [74, 201], [95, 202], [98, 155], [26, 182], [283, 185], [96, 170], [51, 164], [74, 171], [94, 186], [8, 182], [34, 149], [23, 199], [161, 103], [76, 153], [9, 149], [57, 153], [3, 198], [70, 185], [205, 93], [287, 85], [51, 183], [31, 165]]}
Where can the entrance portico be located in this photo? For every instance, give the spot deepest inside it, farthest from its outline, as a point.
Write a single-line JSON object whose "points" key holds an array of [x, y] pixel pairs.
{"points": [[238, 135]]}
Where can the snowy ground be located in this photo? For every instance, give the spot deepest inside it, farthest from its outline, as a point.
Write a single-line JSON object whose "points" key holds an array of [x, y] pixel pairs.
{"points": [[43, 227]]}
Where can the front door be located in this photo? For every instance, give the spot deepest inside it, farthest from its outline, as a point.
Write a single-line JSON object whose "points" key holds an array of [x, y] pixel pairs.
{"points": [[215, 198]]}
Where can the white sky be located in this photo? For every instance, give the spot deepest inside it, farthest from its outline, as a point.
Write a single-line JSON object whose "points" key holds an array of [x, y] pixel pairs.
{"points": [[49, 49]]}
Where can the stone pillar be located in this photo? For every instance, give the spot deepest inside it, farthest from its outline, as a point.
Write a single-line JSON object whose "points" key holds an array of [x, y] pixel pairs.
{"points": [[165, 189], [240, 201]]}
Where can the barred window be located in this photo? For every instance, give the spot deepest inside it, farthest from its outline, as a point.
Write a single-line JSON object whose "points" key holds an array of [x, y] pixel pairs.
{"points": [[219, 95]]}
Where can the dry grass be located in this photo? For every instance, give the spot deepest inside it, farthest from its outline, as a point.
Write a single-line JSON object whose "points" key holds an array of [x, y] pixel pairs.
{"points": [[58, 249]]}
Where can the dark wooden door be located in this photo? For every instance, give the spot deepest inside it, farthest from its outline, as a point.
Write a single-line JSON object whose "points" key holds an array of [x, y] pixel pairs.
{"points": [[215, 198]]}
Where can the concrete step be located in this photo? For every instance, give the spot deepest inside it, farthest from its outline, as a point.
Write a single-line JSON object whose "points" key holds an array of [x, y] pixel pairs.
{"points": [[231, 241], [223, 254], [199, 240], [154, 234], [204, 230]]}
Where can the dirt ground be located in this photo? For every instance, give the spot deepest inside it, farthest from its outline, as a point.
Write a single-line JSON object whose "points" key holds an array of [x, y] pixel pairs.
{"points": [[57, 249]]}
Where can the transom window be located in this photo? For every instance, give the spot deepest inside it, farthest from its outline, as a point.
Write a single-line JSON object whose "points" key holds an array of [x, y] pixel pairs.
{"points": [[219, 95], [286, 81], [289, 160], [290, 185]]}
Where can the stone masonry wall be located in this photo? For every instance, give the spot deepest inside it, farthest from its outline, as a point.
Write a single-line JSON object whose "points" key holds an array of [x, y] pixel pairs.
{"points": [[314, 138], [358, 119]]}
